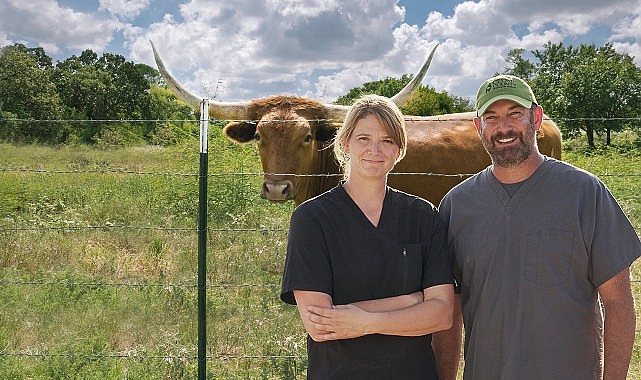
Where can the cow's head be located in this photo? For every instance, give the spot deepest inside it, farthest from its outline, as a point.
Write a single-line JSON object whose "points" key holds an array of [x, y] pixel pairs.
{"points": [[293, 134]]}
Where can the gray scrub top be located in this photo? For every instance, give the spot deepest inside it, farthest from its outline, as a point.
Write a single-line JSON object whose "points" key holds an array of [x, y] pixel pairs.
{"points": [[529, 267]]}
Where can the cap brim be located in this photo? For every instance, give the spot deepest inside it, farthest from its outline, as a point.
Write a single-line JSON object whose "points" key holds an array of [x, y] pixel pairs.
{"points": [[517, 99]]}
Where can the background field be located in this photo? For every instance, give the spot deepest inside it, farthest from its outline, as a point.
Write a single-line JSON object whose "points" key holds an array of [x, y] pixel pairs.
{"points": [[98, 259]]}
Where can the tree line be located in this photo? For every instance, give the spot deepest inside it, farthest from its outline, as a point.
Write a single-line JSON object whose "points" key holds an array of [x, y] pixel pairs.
{"points": [[77, 100], [92, 99]]}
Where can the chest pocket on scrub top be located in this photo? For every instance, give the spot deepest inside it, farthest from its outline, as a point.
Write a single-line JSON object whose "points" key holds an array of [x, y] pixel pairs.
{"points": [[547, 260], [408, 262]]}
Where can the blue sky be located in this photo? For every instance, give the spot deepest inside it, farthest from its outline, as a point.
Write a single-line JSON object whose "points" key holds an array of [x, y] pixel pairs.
{"points": [[247, 49]]}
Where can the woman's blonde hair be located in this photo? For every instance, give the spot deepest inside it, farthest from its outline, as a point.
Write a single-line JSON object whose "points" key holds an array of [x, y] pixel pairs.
{"points": [[385, 111]]}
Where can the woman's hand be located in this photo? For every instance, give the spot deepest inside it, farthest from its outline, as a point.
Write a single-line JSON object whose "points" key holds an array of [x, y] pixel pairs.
{"points": [[339, 322]]}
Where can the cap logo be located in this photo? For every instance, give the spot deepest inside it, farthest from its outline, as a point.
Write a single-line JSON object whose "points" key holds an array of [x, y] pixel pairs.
{"points": [[500, 83]]}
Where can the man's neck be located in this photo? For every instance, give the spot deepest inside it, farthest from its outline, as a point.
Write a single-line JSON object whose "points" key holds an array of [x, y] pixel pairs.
{"points": [[519, 172]]}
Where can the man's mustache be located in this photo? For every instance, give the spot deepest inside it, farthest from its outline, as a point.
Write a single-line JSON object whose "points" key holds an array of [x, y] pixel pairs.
{"points": [[507, 135]]}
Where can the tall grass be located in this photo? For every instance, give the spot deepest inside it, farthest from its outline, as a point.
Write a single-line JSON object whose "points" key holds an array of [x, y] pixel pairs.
{"points": [[98, 263], [118, 300]]}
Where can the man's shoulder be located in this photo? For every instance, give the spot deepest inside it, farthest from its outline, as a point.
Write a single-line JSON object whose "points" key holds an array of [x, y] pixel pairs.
{"points": [[565, 171], [470, 183]]}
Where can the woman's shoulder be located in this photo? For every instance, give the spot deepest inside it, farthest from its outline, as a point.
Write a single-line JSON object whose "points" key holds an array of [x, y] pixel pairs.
{"points": [[322, 201], [408, 200]]}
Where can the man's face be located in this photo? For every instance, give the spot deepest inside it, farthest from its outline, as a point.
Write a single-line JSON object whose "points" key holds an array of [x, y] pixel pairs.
{"points": [[508, 133]]}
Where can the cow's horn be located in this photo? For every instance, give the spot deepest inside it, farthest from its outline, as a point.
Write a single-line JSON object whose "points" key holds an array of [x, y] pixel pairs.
{"points": [[239, 110], [338, 112], [402, 96], [220, 110]]}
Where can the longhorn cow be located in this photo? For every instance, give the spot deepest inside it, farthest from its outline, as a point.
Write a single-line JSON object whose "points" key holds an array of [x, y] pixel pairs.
{"points": [[294, 137]]}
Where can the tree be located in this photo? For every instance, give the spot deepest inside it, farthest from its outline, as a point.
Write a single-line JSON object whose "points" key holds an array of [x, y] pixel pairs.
{"points": [[425, 101], [105, 88], [27, 92], [519, 66], [164, 106], [385, 87], [585, 87], [86, 87]]}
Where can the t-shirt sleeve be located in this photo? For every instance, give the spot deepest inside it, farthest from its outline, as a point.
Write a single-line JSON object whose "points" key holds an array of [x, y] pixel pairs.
{"points": [[307, 265], [613, 243]]}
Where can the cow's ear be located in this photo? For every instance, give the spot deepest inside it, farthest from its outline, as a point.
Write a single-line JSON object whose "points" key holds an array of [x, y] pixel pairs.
{"points": [[326, 131], [240, 131]]}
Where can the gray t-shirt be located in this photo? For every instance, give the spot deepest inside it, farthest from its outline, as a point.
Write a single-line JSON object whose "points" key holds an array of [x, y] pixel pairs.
{"points": [[529, 267]]}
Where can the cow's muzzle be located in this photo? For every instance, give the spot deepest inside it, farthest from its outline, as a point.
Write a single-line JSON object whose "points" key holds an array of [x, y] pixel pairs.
{"points": [[278, 191]]}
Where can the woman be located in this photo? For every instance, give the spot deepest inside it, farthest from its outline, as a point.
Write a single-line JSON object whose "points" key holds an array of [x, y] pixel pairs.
{"points": [[366, 264]]}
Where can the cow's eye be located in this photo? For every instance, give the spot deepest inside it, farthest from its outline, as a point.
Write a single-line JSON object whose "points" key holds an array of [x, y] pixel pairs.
{"points": [[308, 138], [256, 136]]}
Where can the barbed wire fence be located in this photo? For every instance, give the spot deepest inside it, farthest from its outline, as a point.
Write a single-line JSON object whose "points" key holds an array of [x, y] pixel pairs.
{"points": [[126, 355]]}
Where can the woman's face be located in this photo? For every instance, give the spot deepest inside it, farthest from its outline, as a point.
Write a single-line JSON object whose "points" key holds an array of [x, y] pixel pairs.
{"points": [[371, 149]]}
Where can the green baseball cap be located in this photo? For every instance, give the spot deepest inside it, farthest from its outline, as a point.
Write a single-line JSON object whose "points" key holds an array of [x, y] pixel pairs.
{"points": [[503, 87]]}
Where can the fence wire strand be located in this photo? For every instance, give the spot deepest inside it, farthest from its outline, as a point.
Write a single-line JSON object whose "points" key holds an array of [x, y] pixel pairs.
{"points": [[115, 226], [249, 174], [134, 285], [128, 355], [439, 118]]}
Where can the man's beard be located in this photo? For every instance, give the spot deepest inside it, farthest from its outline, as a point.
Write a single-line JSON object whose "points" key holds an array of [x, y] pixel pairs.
{"points": [[514, 155]]}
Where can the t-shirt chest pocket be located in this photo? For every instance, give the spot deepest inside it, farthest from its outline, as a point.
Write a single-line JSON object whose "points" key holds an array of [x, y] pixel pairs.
{"points": [[408, 262], [548, 253]]}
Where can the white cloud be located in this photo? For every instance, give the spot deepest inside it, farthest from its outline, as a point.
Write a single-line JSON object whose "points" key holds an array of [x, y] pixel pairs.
{"points": [[254, 45], [45, 23], [4, 40], [317, 48], [124, 8], [626, 36], [478, 35], [536, 40]]}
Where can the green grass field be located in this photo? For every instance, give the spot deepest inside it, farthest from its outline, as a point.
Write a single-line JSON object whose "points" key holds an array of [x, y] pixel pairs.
{"points": [[98, 263]]}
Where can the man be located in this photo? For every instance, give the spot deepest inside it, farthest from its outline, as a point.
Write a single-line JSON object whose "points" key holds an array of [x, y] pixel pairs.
{"points": [[535, 243]]}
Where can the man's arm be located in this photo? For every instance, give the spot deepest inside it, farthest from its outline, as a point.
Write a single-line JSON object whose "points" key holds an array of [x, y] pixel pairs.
{"points": [[350, 321], [447, 345], [619, 329]]}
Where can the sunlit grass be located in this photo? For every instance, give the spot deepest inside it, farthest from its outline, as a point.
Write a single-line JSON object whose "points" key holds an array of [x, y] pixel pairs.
{"points": [[98, 263]]}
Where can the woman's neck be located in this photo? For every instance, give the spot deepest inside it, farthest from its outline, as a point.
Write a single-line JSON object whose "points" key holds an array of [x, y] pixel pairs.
{"points": [[368, 196]]}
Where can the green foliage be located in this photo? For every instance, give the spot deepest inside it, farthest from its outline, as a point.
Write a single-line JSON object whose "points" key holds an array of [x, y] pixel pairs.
{"points": [[585, 88], [425, 101], [107, 88], [27, 92], [47, 104], [178, 119], [63, 299], [385, 87], [519, 66]]}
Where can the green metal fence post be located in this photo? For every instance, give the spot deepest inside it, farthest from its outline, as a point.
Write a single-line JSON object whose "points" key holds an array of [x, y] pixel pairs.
{"points": [[202, 242]]}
